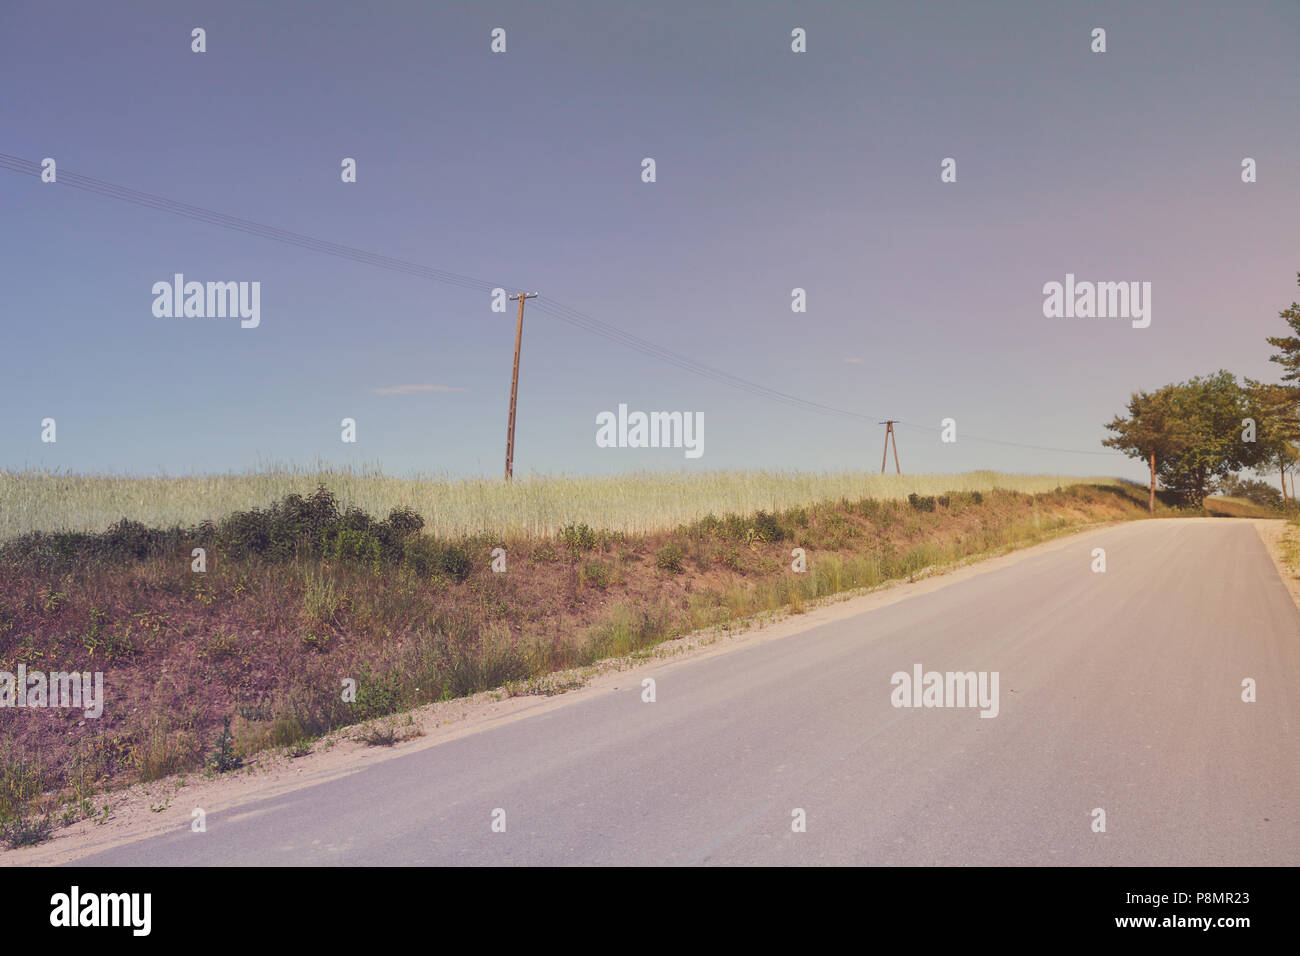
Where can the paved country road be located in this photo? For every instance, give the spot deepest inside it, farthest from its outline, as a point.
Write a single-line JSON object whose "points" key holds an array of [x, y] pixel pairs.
{"points": [[1120, 691]]}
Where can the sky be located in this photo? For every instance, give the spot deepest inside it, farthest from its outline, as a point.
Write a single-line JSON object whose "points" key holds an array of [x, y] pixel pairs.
{"points": [[774, 170]]}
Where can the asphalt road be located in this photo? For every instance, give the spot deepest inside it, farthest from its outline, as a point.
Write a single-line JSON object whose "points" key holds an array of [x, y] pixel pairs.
{"points": [[1120, 691]]}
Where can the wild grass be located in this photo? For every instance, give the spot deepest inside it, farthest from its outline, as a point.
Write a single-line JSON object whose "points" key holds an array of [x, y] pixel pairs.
{"points": [[529, 507], [23, 778]]}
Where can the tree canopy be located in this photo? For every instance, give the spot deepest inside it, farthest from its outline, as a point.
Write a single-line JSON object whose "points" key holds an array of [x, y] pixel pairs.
{"points": [[1288, 346], [1197, 430]]}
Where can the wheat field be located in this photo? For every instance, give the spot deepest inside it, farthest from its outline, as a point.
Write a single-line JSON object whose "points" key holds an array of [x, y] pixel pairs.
{"points": [[527, 507]]}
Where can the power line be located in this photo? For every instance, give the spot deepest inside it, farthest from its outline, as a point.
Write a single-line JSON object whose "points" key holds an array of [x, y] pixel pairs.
{"points": [[555, 309], [1012, 444], [550, 307]]}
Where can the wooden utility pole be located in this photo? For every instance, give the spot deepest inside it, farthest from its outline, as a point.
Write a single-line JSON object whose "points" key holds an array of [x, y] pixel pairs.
{"points": [[1152, 506], [514, 383], [889, 435]]}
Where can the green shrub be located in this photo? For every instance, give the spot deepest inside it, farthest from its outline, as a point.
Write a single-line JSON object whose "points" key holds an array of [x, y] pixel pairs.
{"points": [[131, 539], [670, 558], [354, 519], [454, 561], [356, 545], [378, 695], [767, 528], [869, 508], [578, 538], [224, 758], [430, 559], [596, 574], [404, 522]]}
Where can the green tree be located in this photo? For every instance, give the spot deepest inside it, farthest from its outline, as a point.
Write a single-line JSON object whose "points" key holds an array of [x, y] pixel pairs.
{"points": [[1191, 434], [1148, 432], [1279, 427], [1288, 346], [1281, 403]]}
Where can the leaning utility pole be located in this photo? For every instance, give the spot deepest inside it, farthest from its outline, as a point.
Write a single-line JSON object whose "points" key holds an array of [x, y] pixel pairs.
{"points": [[514, 383], [889, 434]]}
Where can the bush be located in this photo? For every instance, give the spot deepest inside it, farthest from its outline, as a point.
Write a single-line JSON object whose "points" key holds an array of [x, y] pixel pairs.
{"points": [[596, 574], [354, 519], [401, 526], [767, 528], [224, 758], [131, 539], [670, 558], [295, 523], [921, 502], [868, 508], [404, 522], [430, 558], [455, 562], [377, 694], [245, 533], [349, 544], [544, 555], [578, 538], [125, 541], [730, 527]]}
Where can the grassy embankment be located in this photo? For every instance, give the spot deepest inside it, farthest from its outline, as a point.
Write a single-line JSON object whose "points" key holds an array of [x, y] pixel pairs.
{"points": [[204, 669], [1224, 507]]}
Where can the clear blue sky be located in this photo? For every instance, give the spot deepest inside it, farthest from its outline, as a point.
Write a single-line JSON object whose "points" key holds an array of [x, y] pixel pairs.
{"points": [[775, 170]]}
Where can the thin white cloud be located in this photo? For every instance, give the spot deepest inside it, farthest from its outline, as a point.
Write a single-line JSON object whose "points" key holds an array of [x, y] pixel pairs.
{"points": [[414, 389], [853, 361]]}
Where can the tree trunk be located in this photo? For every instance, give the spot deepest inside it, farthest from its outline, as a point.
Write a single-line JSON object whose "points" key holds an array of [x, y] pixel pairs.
{"points": [[1152, 504], [1284, 498]]}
